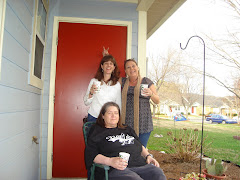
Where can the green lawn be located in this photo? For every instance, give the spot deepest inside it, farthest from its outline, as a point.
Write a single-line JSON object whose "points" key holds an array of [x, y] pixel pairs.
{"points": [[224, 146]]}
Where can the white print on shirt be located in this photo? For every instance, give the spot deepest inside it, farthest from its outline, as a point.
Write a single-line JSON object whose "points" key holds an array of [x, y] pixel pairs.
{"points": [[122, 139]]}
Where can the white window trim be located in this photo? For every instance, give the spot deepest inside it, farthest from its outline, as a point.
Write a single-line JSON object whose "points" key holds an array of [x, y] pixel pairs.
{"points": [[2, 20], [33, 80]]}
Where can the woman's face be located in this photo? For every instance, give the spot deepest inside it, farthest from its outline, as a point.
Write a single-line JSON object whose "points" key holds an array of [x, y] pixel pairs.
{"points": [[131, 69], [111, 117], [108, 67]]}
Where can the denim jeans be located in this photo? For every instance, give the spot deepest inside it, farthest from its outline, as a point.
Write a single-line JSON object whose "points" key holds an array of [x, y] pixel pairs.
{"points": [[144, 138], [90, 118], [146, 172]]}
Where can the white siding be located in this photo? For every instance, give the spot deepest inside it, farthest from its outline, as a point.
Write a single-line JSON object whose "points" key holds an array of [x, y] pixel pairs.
{"points": [[20, 103]]}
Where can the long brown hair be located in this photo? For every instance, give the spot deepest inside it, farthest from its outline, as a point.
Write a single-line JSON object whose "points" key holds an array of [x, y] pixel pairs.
{"points": [[115, 74], [100, 121]]}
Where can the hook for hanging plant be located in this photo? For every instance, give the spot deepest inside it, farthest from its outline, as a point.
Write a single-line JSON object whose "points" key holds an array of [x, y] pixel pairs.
{"points": [[203, 91]]}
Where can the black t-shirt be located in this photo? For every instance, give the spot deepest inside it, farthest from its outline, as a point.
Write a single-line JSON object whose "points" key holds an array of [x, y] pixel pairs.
{"points": [[110, 141]]}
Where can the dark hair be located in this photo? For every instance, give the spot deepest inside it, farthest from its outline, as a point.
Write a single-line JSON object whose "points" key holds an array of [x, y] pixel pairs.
{"points": [[100, 121], [116, 73], [127, 60]]}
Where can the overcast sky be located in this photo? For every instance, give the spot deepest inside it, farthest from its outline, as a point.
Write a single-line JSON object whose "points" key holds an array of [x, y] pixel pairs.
{"points": [[194, 17]]}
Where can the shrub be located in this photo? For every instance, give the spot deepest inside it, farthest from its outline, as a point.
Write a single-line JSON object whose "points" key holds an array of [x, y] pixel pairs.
{"points": [[186, 145]]}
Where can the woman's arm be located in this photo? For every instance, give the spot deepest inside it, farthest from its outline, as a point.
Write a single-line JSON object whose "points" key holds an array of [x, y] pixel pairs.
{"points": [[89, 95], [120, 80], [154, 96], [144, 152], [118, 95], [151, 91], [149, 159]]}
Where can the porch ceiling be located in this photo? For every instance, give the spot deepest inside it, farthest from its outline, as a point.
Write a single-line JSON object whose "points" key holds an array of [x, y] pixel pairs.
{"points": [[158, 11]]}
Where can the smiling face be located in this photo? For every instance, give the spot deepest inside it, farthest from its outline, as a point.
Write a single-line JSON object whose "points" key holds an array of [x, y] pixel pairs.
{"points": [[108, 67], [131, 69], [111, 117]]}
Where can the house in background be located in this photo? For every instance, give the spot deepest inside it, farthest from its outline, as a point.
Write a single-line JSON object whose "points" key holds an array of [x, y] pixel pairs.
{"points": [[49, 51], [169, 108], [212, 105], [194, 109]]}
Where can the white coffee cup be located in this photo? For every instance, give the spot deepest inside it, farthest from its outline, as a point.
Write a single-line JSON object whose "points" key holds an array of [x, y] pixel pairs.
{"points": [[124, 156], [142, 87], [98, 84]]}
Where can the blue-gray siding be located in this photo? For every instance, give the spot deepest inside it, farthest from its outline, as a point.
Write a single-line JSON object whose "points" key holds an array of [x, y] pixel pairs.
{"points": [[20, 103]]}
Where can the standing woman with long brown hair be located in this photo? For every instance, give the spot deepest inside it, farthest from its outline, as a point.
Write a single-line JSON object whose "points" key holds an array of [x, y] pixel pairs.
{"points": [[136, 111], [104, 87]]}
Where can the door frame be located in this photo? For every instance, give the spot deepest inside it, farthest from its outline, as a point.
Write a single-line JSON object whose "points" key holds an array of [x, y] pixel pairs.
{"points": [[57, 20]]}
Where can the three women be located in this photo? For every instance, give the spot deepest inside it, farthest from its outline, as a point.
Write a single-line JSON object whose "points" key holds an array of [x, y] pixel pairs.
{"points": [[135, 105]]}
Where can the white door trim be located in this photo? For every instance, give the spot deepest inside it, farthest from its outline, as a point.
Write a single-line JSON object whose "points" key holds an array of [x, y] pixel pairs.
{"points": [[142, 42], [58, 19]]}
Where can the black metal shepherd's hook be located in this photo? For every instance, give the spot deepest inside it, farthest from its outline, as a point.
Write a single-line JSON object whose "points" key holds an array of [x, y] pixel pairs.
{"points": [[203, 92]]}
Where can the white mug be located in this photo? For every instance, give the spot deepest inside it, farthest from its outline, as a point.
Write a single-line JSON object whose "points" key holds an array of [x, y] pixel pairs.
{"points": [[124, 156], [98, 84], [142, 87]]}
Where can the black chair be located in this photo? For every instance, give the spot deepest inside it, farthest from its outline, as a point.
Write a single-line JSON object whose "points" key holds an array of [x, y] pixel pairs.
{"points": [[86, 127]]}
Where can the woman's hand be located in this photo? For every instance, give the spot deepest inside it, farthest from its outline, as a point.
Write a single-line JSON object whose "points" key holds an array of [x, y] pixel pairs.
{"points": [[152, 161], [118, 163], [147, 92], [93, 89]]}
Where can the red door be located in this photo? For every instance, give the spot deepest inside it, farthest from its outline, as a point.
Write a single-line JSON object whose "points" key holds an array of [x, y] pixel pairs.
{"points": [[79, 52], [193, 109]]}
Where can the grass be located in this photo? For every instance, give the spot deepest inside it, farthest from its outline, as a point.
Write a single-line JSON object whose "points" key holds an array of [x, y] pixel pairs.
{"points": [[223, 146]]}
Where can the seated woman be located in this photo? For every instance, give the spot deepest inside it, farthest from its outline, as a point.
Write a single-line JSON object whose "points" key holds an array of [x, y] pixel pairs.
{"points": [[107, 138]]}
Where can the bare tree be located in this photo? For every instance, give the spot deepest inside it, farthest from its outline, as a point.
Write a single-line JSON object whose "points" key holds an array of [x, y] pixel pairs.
{"points": [[230, 102], [188, 87], [226, 51], [162, 69], [176, 79]]}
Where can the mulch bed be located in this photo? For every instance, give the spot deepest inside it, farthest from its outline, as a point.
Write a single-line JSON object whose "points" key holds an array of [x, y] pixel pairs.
{"points": [[174, 169]]}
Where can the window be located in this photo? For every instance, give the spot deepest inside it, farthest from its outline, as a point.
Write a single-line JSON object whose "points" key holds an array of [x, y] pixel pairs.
{"points": [[38, 43], [2, 18]]}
